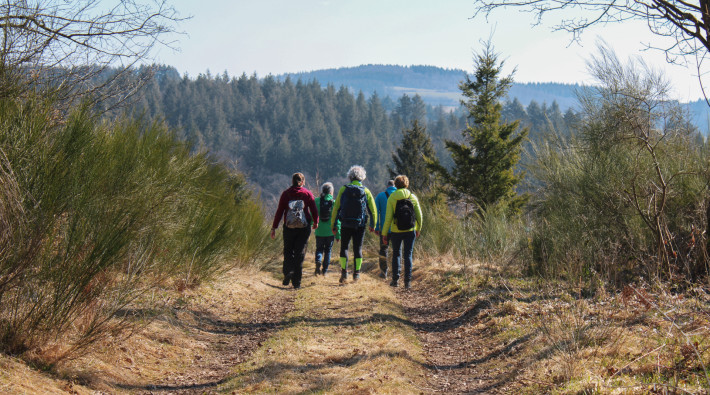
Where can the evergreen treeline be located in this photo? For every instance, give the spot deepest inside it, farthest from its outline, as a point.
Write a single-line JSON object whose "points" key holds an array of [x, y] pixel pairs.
{"points": [[277, 127]]}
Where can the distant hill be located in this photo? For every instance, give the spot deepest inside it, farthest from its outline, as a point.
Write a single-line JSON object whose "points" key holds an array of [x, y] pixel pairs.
{"points": [[436, 86], [439, 86]]}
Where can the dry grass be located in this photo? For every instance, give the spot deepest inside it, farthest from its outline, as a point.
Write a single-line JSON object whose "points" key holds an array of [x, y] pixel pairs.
{"points": [[163, 350], [517, 335], [642, 340], [340, 339]]}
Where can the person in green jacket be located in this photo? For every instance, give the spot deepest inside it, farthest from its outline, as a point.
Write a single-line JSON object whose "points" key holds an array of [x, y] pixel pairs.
{"points": [[352, 205], [404, 219], [324, 235]]}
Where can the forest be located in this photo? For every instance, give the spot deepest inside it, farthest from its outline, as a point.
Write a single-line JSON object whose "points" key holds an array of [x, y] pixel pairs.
{"points": [[319, 130]]}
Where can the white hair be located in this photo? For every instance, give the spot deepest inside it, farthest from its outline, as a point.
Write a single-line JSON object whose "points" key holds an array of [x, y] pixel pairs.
{"points": [[327, 188], [357, 172]]}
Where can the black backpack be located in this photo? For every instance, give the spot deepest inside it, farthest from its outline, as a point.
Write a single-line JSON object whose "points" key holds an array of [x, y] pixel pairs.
{"points": [[325, 209], [404, 216], [353, 207]]}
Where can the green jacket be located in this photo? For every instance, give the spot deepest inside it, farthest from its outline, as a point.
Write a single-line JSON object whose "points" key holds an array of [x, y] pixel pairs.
{"points": [[324, 229], [392, 203], [370, 204]]}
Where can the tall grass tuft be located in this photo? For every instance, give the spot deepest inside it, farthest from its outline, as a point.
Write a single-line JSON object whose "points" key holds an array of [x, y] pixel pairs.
{"points": [[489, 236], [94, 215]]}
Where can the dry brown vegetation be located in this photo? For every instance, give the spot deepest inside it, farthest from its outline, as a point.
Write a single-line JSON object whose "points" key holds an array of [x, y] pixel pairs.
{"points": [[481, 332]]}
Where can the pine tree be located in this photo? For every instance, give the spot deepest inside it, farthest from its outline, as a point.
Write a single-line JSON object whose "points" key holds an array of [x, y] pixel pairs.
{"points": [[483, 173], [410, 159]]}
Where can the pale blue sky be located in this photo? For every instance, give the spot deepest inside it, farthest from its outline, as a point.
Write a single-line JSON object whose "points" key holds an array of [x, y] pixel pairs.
{"points": [[278, 36]]}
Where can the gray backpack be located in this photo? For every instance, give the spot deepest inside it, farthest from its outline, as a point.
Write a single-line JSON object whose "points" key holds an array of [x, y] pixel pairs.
{"points": [[296, 215]]}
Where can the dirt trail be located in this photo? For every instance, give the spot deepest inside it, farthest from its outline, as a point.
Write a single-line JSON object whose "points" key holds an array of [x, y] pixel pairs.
{"points": [[461, 358], [247, 333], [230, 340], [363, 337], [351, 338]]}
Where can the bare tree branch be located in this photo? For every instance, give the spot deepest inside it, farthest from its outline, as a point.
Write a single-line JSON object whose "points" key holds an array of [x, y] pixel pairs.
{"points": [[66, 48], [687, 22]]}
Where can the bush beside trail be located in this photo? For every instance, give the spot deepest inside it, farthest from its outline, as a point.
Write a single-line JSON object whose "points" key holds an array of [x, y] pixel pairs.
{"points": [[96, 217]]}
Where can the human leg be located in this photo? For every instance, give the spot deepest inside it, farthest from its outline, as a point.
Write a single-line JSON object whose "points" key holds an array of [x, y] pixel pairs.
{"points": [[383, 257], [327, 248], [320, 250], [396, 240], [345, 235], [289, 237], [299, 254], [358, 239], [407, 249]]}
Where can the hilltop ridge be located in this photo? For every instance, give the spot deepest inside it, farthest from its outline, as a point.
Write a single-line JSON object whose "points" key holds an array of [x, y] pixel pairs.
{"points": [[439, 86]]}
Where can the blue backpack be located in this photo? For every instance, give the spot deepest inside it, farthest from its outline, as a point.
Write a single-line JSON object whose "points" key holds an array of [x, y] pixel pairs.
{"points": [[353, 206]]}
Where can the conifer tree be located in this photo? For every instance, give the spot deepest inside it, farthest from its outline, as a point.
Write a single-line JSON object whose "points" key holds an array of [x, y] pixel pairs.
{"points": [[411, 157], [483, 172]]}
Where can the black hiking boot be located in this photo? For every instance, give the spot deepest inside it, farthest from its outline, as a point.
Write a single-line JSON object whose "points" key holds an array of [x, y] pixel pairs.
{"points": [[406, 285], [323, 272], [287, 278], [394, 283], [356, 275], [343, 275], [317, 273]]}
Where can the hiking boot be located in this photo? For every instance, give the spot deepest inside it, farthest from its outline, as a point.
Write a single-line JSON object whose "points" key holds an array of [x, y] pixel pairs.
{"points": [[406, 285], [296, 286], [356, 275], [394, 283], [343, 275], [323, 272], [317, 273], [287, 278], [383, 274]]}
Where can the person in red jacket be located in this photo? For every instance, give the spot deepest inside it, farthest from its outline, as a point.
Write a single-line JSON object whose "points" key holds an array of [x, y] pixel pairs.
{"points": [[298, 209]]}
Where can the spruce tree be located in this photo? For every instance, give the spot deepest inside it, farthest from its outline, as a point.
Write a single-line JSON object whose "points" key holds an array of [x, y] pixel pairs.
{"points": [[411, 157], [484, 164]]}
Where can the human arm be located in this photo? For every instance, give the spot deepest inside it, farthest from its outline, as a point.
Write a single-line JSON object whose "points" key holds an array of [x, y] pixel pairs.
{"points": [[372, 207], [417, 213], [334, 215], [310, 202], [389, 212], [280, 209]]}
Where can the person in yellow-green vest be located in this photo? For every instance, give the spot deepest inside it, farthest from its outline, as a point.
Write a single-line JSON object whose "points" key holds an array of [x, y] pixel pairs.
{"points": [[352, 206], [404, 220]]}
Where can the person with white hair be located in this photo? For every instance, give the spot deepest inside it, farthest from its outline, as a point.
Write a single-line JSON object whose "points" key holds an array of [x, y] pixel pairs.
{"points": [[324, 236], [353, 203]]}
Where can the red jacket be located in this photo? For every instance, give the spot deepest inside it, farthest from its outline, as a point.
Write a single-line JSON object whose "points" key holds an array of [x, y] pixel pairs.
{"points": [[296, 193]]}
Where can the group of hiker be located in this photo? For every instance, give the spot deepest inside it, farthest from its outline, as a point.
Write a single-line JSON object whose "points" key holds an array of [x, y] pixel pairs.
{"points": [[394, 215]]}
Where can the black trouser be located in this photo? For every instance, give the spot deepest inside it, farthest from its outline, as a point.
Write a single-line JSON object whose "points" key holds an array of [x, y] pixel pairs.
{"points": [[404, 242], [357, 235], [295, 242], [383, 255]]}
